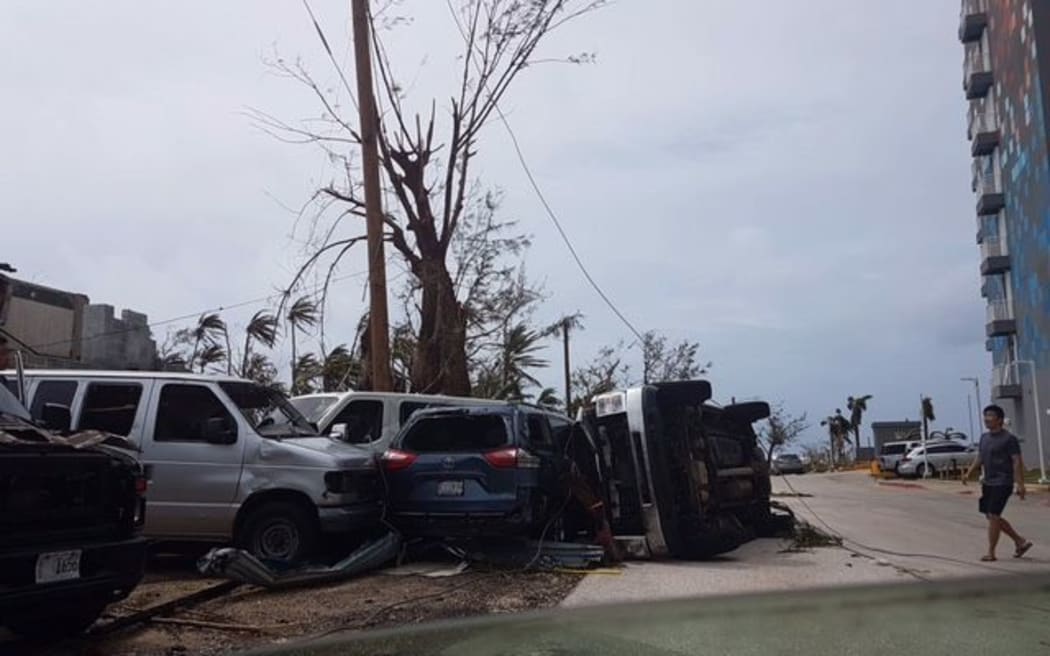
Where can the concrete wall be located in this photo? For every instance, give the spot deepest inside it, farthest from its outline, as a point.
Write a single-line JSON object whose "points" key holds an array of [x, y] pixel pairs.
{"points": [[117, 343], [46, 320]]}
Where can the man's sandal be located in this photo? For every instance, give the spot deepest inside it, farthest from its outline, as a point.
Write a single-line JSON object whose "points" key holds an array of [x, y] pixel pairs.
{"points": [[1023, 549]]}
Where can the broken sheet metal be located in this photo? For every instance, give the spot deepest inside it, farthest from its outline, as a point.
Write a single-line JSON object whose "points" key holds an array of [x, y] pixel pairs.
{"points": [[540, 555], [239, 565]]}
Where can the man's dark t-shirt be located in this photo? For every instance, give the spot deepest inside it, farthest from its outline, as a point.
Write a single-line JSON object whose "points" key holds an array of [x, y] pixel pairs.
{"points": [[997, 452]]}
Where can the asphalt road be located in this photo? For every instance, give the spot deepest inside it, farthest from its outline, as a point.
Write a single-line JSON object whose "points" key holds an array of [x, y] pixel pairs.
{"points": [[894, 532], [930, 528]]}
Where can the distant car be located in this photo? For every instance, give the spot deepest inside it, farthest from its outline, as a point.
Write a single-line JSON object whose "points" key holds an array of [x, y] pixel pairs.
{"points": [[788, 463], [480, 471], [938, 456], [891, 454]]}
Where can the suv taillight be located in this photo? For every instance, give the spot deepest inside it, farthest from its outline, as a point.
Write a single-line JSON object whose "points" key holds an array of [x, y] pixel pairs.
{"points": [[512, 459], [394, 460]]}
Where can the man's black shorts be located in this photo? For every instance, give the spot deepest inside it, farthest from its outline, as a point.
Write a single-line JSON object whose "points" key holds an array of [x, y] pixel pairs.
{"points": [[993, 499]]}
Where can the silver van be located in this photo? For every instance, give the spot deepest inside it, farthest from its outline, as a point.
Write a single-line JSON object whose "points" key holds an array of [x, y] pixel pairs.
{"points": [[227, 459], [371, 419]]}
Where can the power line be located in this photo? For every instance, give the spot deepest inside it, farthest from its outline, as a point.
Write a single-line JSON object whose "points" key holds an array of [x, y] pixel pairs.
{"points": [[546, 205]]}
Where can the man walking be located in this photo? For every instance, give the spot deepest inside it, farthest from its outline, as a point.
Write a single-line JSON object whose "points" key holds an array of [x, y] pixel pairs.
{"points": [[1000, 455]]}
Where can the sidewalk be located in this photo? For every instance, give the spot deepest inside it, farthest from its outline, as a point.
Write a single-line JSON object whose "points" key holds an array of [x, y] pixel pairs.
{"points": [[950, 486]]}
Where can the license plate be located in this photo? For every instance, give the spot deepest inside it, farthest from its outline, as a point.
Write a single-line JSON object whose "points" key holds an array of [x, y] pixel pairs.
{"points": [[450, 489], [58, 566]]}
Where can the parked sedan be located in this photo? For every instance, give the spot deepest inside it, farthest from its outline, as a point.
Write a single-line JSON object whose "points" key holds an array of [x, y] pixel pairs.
{"points": [[942, 456], [482, 471], [788, 463]]}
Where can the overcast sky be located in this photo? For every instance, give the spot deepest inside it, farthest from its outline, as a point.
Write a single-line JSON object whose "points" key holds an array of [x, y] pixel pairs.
{"points": [[786, 183]]}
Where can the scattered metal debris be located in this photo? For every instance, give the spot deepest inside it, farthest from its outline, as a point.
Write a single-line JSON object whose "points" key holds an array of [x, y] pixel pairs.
{"points": [[239, 565], [539, 555]]}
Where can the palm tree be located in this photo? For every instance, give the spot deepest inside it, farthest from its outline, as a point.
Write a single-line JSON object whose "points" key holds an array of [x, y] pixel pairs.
{"points": [[520, 345], [340, 371], [307, 368], [838, 433], [927, 416], [208, 327], [548, 398], [210, 354], [303, 313], [262, 328], [857, 405]]}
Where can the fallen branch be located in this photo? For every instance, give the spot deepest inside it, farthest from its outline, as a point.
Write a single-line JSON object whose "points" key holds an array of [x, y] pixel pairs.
{"points": [[192, 599]]}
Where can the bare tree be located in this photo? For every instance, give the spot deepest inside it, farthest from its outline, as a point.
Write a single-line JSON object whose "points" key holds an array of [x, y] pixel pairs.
{"points": [[604, 373], [428, 177], [668, 362], [781, 429]]}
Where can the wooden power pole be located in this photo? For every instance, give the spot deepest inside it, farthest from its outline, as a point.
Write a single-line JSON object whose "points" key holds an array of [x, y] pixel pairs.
{"points": [[568, 376], [378, 320]]}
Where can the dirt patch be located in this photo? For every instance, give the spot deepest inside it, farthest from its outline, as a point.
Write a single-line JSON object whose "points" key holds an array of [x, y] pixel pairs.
{"points": [[253, 617], [790, 494], [806, 537]]}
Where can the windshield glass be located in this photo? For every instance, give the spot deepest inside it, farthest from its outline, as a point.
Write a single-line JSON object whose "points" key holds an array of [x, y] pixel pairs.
{"points": [[268, 411], [313, 407]]}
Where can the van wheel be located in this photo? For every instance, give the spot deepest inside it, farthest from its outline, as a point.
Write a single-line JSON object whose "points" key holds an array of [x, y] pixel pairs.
{"points": [[279, 530], [64, 624]]}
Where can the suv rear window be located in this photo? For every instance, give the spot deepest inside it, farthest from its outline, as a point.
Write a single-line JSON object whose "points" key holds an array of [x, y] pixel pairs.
{"points": [[456, 434], [893, 449]]}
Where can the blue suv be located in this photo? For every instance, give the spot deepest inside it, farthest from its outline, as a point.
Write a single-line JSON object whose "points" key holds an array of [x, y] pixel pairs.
{"points": [[476, 472]]}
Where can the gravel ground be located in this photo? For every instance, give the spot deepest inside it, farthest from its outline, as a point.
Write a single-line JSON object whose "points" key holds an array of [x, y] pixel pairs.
{"points": [[257, 618]]}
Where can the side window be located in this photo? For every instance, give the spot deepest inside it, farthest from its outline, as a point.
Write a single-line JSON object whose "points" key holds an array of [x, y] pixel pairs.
{"points": [[561, 431], [110, 407], [364, 421], [408, 408], [539, 430], [60, 392], [190, 413]]}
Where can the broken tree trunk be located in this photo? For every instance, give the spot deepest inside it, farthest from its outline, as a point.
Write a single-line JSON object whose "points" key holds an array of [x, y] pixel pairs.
{"points": [[440, 364]]}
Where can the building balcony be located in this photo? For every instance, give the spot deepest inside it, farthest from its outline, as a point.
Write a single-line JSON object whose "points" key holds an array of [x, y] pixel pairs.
{"points": [[990, 199], [977, 71], [1000, 319], [984, 129], [1006, 381], [995, 257], [973, 20]]}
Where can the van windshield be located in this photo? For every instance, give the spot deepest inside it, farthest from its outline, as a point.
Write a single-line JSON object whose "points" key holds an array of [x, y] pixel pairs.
{"points": [[894, 449], [268, 411], [313, 407]]}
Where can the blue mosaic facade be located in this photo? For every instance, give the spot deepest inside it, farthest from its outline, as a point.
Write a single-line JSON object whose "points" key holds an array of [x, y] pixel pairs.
{"points": [[1017, 41]]}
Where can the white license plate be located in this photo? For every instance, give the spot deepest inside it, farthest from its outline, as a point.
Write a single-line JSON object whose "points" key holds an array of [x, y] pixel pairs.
{"points": [[450, 489], [58, 566]]}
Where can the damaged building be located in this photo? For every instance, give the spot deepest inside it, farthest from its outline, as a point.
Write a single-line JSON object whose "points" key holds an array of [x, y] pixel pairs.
{"points": [[53, 329]]}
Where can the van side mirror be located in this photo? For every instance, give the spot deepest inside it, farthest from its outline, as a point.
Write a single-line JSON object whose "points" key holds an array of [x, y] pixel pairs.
{"points": [[339, 432], [57, 417], [217, 431]]}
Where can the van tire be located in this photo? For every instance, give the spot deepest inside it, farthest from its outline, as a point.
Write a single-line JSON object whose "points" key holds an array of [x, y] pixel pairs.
{"points": [[279, 530]]}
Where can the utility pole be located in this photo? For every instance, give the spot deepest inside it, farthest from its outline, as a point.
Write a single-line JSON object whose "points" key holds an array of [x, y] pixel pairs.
{"points": [[378, 321], [977, 401], [568, 368]]}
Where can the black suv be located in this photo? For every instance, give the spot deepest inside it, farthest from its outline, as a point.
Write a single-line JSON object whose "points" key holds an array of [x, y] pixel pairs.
{"points": [[71, 510]]}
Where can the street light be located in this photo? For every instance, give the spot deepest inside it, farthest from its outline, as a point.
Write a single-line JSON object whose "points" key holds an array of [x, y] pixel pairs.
{"points": [[977, 399], [1038, 419]]}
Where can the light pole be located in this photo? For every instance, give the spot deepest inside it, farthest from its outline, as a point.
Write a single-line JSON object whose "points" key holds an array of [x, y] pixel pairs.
{"points": [[1038, 419], [977, 399]]}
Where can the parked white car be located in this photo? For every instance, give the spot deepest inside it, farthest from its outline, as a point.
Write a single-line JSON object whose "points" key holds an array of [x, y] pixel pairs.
{"points": [[371, 419], [891, 454], [939, 456], [227, 459]]}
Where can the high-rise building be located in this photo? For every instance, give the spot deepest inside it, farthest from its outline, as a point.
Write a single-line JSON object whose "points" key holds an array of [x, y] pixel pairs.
{"points": [[1006, 79]]}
